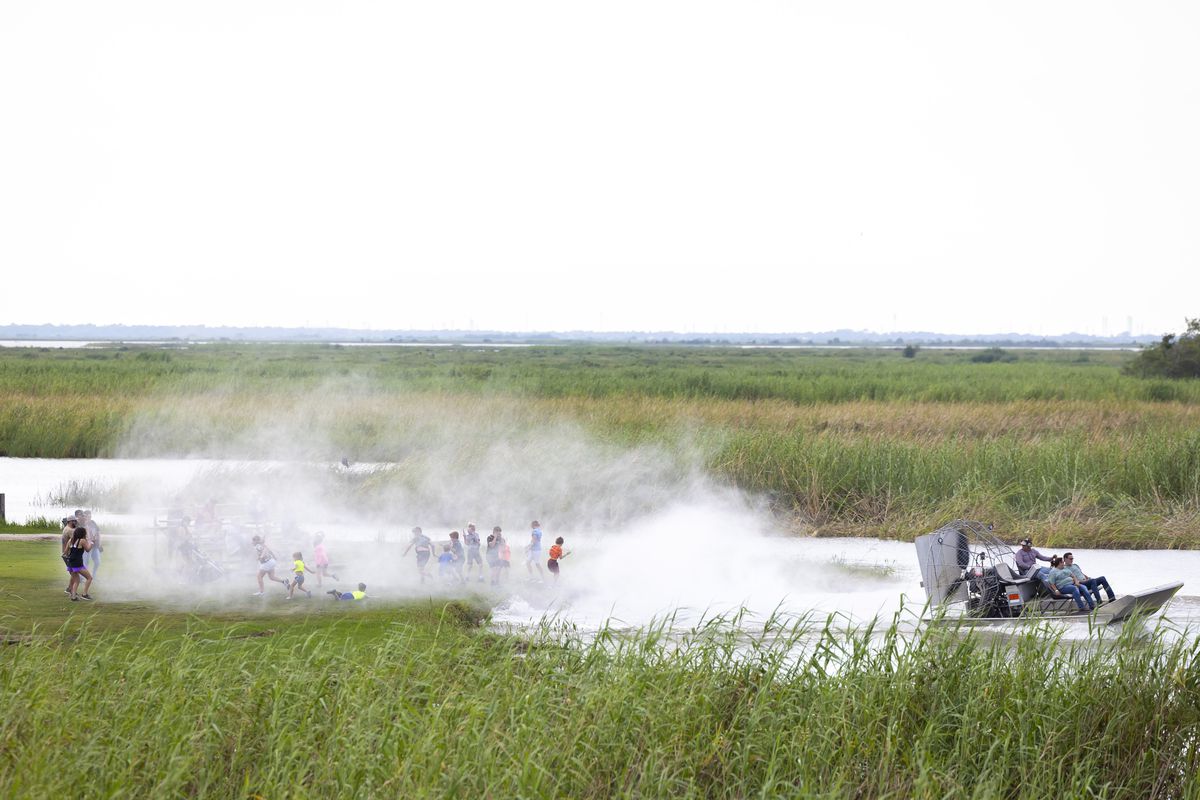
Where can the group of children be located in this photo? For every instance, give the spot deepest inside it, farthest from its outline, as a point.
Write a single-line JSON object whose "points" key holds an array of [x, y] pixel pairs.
{"points": [[461, 556], [267, 564]]}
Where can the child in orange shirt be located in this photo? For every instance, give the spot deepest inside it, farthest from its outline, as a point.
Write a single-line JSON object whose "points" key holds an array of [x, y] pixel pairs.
{"points": [[556, 554]]}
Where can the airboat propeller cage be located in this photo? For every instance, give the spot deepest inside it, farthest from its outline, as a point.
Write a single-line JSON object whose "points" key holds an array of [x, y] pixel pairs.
{"points": [[945, 554]]}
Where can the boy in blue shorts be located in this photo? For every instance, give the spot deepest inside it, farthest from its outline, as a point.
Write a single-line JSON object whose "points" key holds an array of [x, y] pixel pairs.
{"points": [[298, 570]]}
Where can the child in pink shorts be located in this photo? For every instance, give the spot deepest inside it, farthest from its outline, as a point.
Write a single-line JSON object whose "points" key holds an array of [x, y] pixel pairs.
{"points": [[321, 558]]}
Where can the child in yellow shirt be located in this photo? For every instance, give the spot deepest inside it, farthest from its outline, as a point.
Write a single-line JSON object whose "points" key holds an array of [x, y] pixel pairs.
{"points": [[299, 568]]}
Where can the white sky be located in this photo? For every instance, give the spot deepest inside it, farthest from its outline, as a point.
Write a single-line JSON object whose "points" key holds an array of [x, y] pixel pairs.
{"points": [[762, 166]]}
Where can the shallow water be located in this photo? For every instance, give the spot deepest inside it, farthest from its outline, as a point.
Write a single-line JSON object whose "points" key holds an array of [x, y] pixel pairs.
{"points": [[28, 483], [693, 559], [854, 578]]}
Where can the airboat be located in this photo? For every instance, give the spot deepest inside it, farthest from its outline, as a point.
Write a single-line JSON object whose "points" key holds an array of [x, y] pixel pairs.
{"points": [[969, 575]]}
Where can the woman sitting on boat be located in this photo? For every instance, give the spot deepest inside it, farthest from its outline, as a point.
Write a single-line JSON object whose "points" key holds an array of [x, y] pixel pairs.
{"points": [[1063, 584]]}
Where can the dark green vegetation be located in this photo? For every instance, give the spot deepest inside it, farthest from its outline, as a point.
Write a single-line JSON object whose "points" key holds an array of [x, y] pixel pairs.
{"points": [[421, 701], [1173, 357], [993, 354], [723, 373], [39, 525], [859, 442]]}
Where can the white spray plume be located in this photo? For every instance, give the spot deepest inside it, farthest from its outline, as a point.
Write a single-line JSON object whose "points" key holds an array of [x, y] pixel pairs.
{"points": [[649, 532]]}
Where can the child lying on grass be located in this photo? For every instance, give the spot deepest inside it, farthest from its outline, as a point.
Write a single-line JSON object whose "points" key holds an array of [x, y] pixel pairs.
{"points": [[358, 594]]}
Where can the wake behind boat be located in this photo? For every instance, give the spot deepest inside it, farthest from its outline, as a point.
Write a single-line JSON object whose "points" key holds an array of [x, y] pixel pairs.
{"points": [[969, 575]]}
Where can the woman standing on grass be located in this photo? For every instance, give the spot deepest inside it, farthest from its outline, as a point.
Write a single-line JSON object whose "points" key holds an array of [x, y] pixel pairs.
{"points": [[73, 555], [68, 533]]}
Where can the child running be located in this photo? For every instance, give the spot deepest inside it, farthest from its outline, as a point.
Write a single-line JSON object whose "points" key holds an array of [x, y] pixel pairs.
{"points": [[556, 554], [504, 551], [357, 594], [321, 558], [266, 565], [73, 555], [493, 558], [298, 568], [471, 540], [445, 563], [424, 549], [457, 549], [533, 551]]}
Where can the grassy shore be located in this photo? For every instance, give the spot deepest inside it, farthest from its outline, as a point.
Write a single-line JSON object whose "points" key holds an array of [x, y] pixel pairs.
{"points": [[421, 700], [860, 442], [38, 525]]}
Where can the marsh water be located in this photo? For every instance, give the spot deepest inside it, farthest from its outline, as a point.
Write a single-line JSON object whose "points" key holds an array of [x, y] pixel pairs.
{"points": [[691, 559]]}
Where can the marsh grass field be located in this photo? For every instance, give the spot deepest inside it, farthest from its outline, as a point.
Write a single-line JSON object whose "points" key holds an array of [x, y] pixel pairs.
{"points": [[844, 442], [430, 699], [426, 700]]}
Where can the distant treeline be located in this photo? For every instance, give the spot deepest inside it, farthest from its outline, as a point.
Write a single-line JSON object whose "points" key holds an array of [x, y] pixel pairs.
{"points": [[1173, 356], [186, 333]]}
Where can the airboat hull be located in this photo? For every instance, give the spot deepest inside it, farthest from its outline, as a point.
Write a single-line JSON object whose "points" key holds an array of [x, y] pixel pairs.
{"points": [[1138, 604]]}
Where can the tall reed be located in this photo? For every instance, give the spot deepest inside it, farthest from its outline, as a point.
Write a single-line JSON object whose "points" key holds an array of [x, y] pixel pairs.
{"points": [[363, 707]]}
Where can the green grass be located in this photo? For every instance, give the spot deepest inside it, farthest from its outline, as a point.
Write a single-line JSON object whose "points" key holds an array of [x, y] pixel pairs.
{"points": [[797, 376], [1128, 491], [35, 525], [421, 701], [858, 442]]}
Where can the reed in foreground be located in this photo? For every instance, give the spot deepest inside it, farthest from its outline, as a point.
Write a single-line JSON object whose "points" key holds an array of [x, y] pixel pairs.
{"points": [[375, 706]]}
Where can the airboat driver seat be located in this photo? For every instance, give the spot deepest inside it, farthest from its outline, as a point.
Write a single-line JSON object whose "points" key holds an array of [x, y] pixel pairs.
{"points": [[1028, 587], [1006, 574]]}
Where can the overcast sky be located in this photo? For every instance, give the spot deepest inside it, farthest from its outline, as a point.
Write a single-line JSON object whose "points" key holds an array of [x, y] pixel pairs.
{"points": [[693, 166]]}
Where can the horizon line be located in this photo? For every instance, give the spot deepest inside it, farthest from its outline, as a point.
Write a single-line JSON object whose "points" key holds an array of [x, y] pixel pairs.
{"points": [[49, 328]]}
